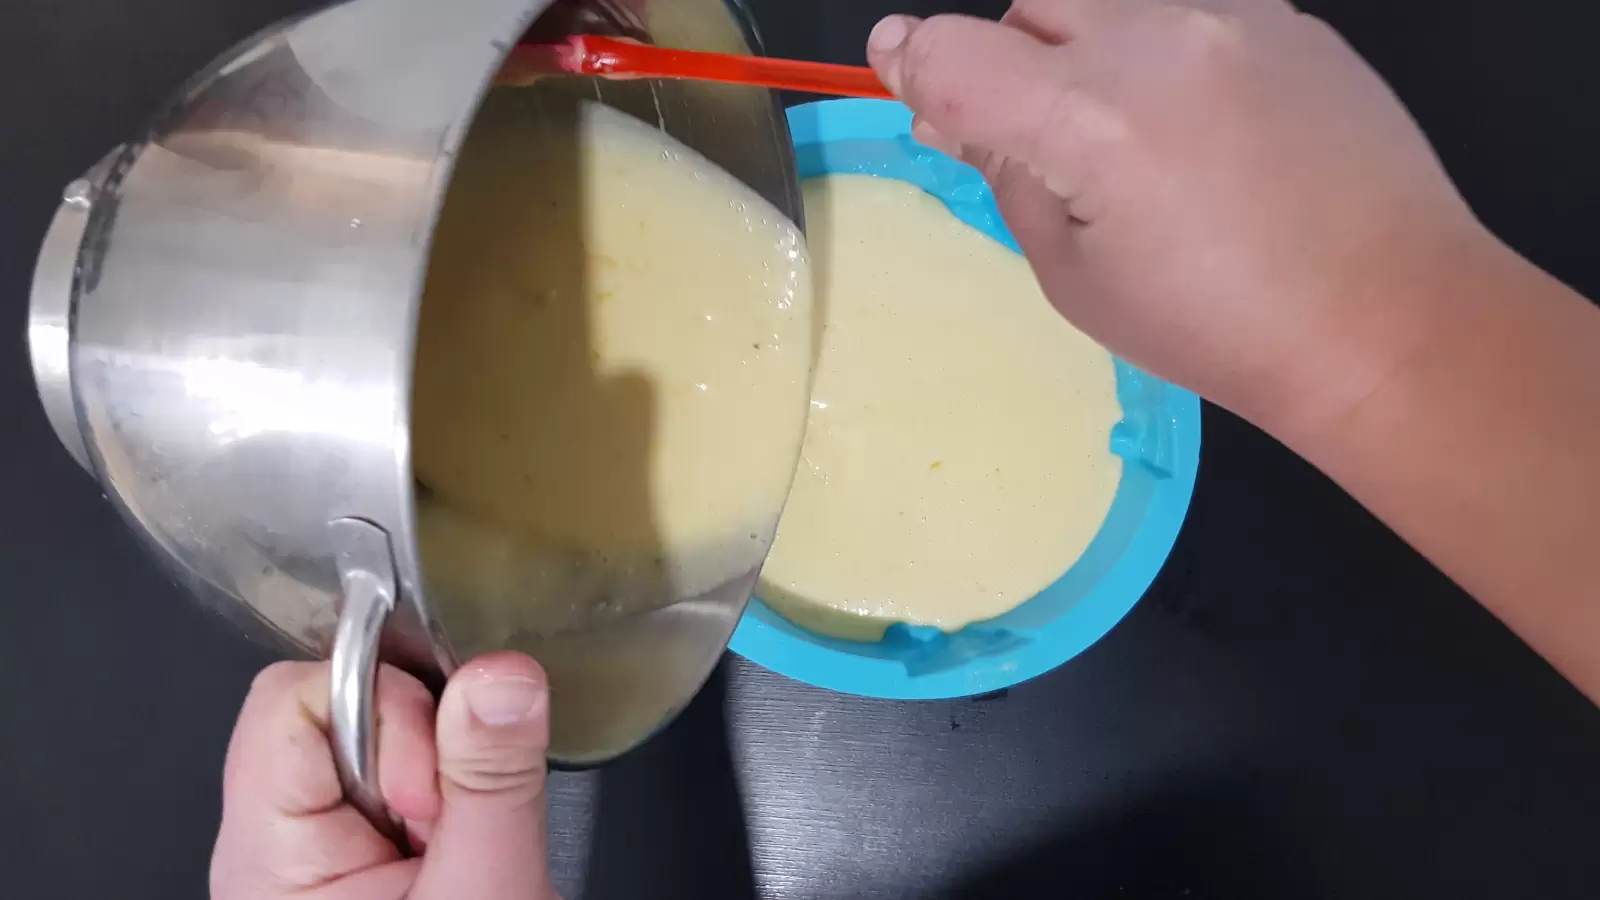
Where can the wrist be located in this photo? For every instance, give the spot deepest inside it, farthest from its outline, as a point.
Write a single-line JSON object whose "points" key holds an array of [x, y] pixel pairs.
{"points": [[1478, 446], [1393, 314]]}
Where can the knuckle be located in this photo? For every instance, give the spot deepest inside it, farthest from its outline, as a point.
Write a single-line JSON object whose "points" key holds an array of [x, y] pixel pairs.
{"points": [[925, 61], [929, 41], [1209, 34], [499, 770], [1010, 179], [1076, 123]]}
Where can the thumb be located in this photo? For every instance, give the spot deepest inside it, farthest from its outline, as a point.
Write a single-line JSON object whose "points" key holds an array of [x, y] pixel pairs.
{"points": [[990, 86], [493, 730]]}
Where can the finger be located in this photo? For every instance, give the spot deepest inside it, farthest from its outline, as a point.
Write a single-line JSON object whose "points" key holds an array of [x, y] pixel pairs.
{"points": [[285, 822], [493, 731], [1047, 229], [983, 83], [407, 759], [1043, 223], [278, 760], [927, 135], [1059, 21]]}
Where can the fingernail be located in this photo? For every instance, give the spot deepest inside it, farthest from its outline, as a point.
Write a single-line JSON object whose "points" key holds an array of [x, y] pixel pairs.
{"points": [[504, 701], [889, 34]]}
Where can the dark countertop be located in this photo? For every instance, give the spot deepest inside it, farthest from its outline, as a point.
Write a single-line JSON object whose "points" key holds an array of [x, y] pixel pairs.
{"points": [[1300, 707]]}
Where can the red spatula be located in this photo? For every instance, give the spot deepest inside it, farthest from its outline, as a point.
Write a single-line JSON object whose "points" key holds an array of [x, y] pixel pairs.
{"points": [[612, 58]]}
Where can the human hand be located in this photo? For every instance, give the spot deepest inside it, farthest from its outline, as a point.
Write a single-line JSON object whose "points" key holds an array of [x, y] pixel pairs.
{"points": [[1221, 191], [469, 787]]}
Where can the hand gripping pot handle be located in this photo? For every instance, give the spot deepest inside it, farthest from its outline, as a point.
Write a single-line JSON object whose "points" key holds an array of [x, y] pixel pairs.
{"points": [[366, 574]]}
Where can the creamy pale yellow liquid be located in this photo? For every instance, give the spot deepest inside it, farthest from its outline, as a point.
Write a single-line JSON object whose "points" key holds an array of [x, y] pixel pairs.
{"points": [[958, 458], [611, 374]]}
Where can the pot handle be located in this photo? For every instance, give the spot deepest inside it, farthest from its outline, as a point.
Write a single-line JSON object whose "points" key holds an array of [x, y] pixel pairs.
{"points": [[366, 574]]}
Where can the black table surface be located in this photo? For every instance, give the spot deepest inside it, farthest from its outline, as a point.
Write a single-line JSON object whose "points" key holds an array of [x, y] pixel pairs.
{"points": [[1300, 707]]}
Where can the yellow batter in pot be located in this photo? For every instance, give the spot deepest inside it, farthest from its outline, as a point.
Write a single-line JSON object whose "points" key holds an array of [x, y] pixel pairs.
{"points": [[611, 373]]}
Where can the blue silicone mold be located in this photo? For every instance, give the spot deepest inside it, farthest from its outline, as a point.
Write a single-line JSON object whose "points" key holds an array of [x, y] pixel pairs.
{"points": [[1158, 439]]}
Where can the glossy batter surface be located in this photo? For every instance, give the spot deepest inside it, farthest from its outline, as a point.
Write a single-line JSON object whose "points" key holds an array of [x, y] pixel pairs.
{"points": [[958, 458]]}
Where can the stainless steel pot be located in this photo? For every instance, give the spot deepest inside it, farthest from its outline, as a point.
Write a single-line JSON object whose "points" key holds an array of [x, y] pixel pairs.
{"points": [[222, 324]]}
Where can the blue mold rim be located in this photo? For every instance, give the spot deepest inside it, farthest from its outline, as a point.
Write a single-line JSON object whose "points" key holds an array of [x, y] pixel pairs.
{"points": [[1158, 439]]}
